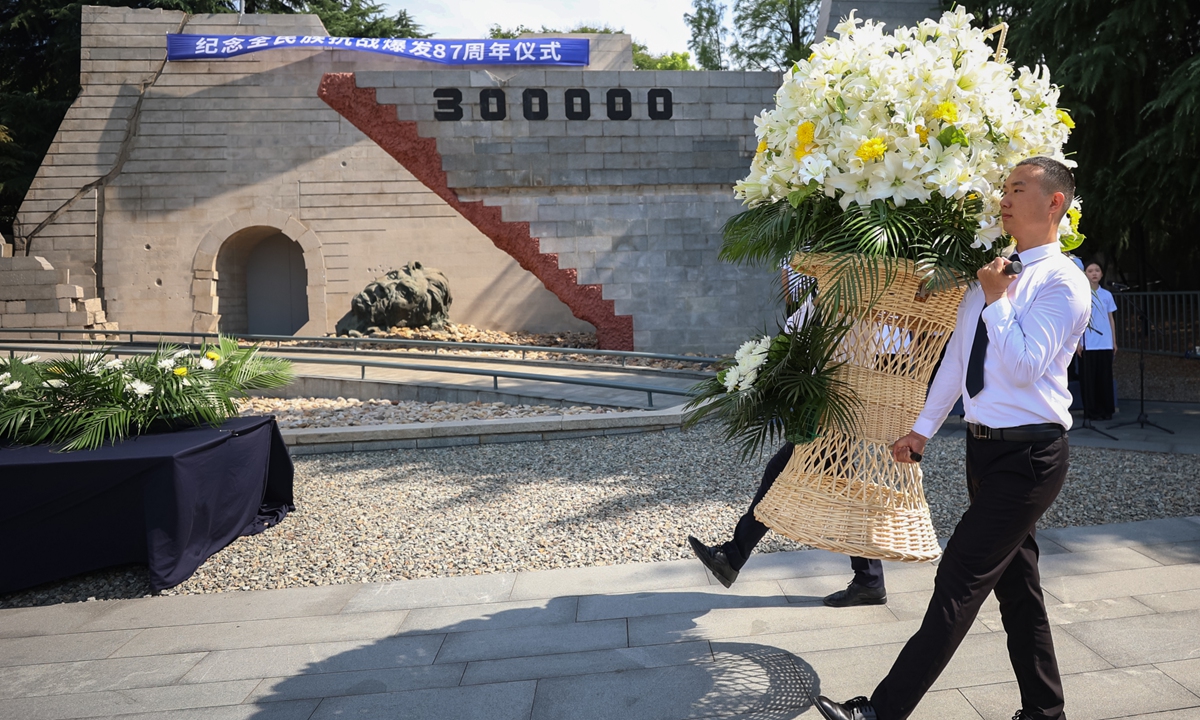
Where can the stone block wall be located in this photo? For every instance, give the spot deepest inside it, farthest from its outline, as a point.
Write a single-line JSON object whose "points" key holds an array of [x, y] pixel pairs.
{"points": [[36, 295]]}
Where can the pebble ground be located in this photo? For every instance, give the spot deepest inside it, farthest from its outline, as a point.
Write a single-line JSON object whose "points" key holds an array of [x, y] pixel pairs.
{"points": [[352, 412], [382, 516]]}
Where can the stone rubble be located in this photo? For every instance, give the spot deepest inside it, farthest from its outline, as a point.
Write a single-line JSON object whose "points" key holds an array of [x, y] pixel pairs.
{"points": [[386, 516]]}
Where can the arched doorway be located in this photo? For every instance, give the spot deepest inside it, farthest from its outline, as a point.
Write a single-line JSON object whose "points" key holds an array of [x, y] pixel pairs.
{"points": [[262, 283]]}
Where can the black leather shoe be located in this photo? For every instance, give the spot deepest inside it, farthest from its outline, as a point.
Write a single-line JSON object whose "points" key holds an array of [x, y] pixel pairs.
{"points": [[1022, 715], [858, 708], [715, 560], [856, 594]]}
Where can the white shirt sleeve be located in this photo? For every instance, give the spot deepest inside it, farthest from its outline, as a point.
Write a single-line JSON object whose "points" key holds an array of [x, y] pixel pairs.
{"points": [[947, 384], [1027, 346]]}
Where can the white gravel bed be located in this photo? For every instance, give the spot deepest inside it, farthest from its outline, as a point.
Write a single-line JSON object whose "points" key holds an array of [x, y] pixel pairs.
{"points": [[351, 412], [382, 516]]}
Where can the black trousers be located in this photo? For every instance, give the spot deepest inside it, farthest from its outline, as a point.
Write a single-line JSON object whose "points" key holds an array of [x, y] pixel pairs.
{"points": [[750, 531], [993, 548], [1096, 382]]}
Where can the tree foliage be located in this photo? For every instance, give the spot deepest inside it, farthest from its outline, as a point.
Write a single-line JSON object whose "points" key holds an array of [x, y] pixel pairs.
{"points": [[1130, 75], [766, 34], [708, 34]]}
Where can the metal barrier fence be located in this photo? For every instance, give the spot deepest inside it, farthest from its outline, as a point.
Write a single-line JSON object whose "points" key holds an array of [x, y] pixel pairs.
{"points": [[1172, 321], [359, 358]]}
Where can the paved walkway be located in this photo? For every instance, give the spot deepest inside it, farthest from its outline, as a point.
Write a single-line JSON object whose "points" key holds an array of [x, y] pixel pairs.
{"points": [[650, 641]]}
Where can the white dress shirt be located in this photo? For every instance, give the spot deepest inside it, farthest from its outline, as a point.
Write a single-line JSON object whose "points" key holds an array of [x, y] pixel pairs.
{"points": [[1033, 331]]}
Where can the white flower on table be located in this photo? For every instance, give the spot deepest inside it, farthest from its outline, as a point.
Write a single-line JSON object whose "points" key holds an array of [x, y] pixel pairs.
{"points": [[55, 383], [207, 364], [140, 388], [11, 386], [4, 377], [31, 359], [114, 364], [166, 363]]}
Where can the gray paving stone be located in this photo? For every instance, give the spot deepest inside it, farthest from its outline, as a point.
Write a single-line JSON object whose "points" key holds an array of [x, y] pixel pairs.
{"points": [[54, 619], [898, 578], [697, 600], [1146, 532], [583, 663], [1171, 602], [806, 641], [136, 700], [625, 578], [1119, 693], [1184, 672], [533, 640], [431, 592], [730, 623], [1142, 640], [491, 616], [1172, 553], [94, 675], [1122, 583], [314, 658], [945, 705], [222, 607], [262, 633], [62, 648], [752, 679], [1067, 613], [291, 710], [787, 565], [500, 701], [1191, 713], [1084, 563], [357, 682]]}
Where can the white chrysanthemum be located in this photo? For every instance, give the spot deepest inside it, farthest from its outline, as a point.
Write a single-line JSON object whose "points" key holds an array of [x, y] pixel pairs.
{"points": [[54, 383], [140, 388], [31, 359], [182, 353], [11, 386], [923, 110], [114, 364], [4, 377], [207, 364], [166, 363]]}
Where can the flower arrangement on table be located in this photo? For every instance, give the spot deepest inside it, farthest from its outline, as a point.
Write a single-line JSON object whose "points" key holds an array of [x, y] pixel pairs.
{"points": [[884, 155], [84, 401]]}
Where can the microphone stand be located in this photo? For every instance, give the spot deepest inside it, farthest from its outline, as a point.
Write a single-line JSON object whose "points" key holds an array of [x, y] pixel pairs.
{"points": [[1143, 330]]}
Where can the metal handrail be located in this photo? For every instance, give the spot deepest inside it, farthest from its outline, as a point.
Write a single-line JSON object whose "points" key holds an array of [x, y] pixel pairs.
{"points": [[650, 390], [1172, 321], [436, 344]]}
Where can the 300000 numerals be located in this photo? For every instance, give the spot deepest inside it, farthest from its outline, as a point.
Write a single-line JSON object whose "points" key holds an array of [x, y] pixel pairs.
{"points": [[535, 104]]}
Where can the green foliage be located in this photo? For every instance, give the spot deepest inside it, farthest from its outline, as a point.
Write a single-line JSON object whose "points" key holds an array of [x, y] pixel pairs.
{"points": [[84, 401], [797, 392], [708, 34], [362, 18], [773, 34], [645, 60], [1130, 74]]}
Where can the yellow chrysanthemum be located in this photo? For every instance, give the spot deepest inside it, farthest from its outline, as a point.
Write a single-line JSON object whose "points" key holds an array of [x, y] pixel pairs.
{"points": [[872, 149], [947, 112], [1073, 215], [804, 139], [1065, 119], [180, 371], [212, 356], [762, 146], [923, 134]]}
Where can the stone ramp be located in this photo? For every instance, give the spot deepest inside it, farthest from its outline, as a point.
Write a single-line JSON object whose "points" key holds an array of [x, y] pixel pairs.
{"points": [[633, 642]]}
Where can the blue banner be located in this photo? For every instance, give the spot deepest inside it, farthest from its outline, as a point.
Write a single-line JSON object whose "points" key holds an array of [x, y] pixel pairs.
{"points": [[530, 51]]}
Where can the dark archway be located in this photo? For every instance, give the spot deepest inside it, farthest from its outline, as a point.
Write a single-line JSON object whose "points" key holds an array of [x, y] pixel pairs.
{"points": [[261, 283]]}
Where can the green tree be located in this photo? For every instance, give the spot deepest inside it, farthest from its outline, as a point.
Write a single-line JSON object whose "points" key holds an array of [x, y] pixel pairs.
{"points": [[1130, 77], [708, 33], [773, 34], [362, 18]]}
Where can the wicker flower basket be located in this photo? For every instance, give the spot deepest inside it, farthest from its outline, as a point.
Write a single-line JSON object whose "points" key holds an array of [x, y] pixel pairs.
{"points": [[844, 492]]}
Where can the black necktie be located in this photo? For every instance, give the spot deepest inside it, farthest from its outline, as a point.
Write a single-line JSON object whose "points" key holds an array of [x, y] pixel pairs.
{"points": [[979, 352]]}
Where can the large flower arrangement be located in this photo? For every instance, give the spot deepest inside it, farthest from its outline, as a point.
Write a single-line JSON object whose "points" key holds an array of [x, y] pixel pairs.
{"points": [[84, 401], [885, 154]]}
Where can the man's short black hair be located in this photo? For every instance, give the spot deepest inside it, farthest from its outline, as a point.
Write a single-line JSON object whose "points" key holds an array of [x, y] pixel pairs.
{"points": [[1056, 177]]}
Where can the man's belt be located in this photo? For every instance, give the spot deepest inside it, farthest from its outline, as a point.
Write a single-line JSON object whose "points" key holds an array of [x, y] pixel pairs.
{"points": [[1022, 433]]}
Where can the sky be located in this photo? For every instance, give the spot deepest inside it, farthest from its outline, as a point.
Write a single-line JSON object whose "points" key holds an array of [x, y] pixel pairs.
{"points": [[656, 23]]}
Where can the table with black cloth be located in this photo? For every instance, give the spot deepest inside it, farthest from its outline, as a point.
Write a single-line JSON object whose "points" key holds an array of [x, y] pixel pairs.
{"points": [[170, 500]]}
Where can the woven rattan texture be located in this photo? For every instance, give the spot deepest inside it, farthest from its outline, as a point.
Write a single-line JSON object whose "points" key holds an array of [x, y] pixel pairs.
{"points": [[845, 492]]}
